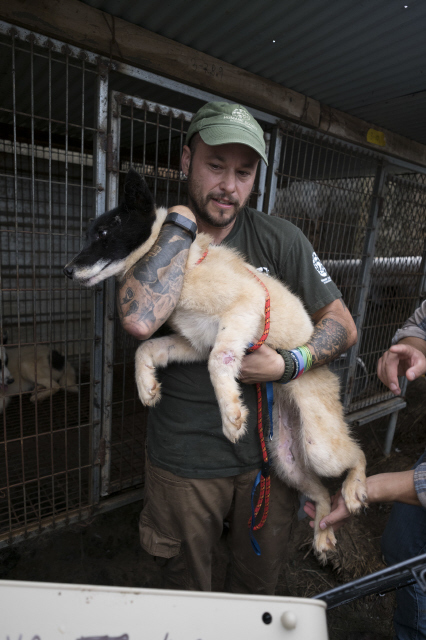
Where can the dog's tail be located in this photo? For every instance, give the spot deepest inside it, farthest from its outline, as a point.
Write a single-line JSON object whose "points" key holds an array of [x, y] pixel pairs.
{"points": [[68, 378]]}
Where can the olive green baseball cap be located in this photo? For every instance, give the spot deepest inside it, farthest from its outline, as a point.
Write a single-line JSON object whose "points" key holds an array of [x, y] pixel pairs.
{"points": [[224, 123]]}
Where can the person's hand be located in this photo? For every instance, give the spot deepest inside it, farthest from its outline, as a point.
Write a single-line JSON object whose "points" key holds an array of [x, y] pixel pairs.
{"points": [[336, 518], [184, 211], [399, 360], [262, 365]]}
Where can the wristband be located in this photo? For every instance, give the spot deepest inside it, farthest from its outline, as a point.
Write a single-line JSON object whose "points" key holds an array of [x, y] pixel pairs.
{"points": [[288, 366], [180, 221], [307, 356], [296, 361], [297, 355]]}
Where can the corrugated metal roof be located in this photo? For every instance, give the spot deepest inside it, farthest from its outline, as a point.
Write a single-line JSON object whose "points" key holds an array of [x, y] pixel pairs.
{"points": [[364, 57]]}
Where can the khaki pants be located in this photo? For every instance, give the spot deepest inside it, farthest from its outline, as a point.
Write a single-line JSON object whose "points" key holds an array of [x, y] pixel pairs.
{"points": [[182, 520]]}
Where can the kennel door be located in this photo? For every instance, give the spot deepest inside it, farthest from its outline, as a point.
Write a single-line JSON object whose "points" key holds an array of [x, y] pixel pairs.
{"points": [[148, 137]]}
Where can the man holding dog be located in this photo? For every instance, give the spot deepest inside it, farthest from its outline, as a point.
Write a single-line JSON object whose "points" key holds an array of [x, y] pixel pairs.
{"points": [[195, 478]]}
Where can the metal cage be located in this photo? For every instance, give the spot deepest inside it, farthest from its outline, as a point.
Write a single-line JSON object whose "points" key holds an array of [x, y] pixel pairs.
{"points": [[71, 124]]}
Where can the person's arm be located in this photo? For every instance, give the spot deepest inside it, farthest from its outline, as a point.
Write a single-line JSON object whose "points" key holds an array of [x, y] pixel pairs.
{"points": [[334, 332], [384, 487], [150, 290]]}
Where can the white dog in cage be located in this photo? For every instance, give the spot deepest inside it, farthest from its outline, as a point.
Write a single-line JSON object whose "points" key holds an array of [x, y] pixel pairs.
{"points": [[34, 368]]}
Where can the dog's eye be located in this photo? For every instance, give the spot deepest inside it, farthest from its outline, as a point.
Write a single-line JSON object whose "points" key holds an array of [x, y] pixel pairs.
{"points": [[103, 234]]}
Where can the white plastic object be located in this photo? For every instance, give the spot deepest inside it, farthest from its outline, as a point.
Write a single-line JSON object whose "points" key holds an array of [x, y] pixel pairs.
{"points": [[289, 620], [71, 612]]}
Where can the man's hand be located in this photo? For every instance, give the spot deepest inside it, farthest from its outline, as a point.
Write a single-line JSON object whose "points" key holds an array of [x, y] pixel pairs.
{"points": [[334, 332], [403, 359], [262, 365], [336, 518]]}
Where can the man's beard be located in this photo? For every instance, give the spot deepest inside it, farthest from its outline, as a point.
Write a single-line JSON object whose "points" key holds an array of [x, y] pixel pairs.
{"points": [[198, 204]]}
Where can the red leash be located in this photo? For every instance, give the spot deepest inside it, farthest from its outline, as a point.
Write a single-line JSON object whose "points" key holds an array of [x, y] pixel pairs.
{"points": [[265, 482]]}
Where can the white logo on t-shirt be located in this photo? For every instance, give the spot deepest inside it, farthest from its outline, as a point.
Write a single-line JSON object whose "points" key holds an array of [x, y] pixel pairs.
{"points": [[319, 265], [325, 278]]}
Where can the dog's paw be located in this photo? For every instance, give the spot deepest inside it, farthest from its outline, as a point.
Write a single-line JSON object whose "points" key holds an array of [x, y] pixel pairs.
{"points": [[234, 422], [324, 543], [149, 390], [354, 492]]}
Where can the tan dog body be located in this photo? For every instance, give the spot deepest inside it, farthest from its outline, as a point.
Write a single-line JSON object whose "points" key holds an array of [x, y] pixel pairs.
{"points": [[221, 311], [31, 369]]}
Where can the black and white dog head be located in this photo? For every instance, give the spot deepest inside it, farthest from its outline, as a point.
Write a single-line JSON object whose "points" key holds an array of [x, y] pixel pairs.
{"points": [[5, 375], [115, 235]]}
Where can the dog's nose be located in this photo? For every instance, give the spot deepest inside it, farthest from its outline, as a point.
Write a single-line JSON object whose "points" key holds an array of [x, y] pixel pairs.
{"points": [[68, 271], [10, 380]]}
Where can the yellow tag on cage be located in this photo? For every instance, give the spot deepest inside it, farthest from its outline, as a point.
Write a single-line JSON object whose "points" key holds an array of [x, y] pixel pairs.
{"points": [[376, 137]]}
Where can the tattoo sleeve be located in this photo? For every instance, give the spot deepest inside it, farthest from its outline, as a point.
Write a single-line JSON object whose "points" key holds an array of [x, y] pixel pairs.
{"points": [[149, 291], [328, 340]]}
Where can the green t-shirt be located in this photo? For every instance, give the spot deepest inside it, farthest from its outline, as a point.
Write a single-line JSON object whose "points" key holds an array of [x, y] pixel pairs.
{"points": [[185, 430]]}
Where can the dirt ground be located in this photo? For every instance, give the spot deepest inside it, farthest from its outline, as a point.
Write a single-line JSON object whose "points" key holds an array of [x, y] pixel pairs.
{"points": [[106, 551]]}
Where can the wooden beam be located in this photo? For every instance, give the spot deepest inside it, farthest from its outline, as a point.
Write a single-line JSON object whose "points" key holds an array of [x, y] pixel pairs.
{"points": [[77, 23]]}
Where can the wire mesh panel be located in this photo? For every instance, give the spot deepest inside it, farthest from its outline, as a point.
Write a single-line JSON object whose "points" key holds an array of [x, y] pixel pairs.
{"points": [[46, 198], [396, 276], [355, 219]]}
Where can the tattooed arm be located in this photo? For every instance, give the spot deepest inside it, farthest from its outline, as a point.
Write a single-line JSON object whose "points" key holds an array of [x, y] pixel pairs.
{"points": [[333, 334], [150, 290]]}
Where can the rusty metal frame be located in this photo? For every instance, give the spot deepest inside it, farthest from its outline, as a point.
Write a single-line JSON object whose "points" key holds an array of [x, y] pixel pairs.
{"points": [[100, 156], [364, 275]]}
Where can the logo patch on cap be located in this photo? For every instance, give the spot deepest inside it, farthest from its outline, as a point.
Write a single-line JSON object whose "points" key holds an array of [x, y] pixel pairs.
{"points": [[241, 114]]}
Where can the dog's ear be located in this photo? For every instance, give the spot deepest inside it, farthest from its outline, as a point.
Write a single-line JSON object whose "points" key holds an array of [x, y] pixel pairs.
{"points": [[137, 196], [4, 336]]}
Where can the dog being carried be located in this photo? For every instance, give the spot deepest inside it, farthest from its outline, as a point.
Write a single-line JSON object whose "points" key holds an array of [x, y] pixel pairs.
{"points": [[221, 311]]}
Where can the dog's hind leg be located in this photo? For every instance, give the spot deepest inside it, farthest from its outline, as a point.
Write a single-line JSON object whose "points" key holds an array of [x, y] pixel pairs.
{"points": [[159, 352], [354, 487], [290, 465], [328, 446]]}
